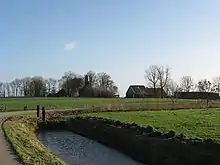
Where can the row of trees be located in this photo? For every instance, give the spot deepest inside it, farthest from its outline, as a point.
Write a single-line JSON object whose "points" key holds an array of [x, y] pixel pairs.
{"points": [[159, 76], [70, 83]]}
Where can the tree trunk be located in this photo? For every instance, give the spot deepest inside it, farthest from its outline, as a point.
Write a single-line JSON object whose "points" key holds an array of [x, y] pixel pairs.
{"points": [[154, 90], [161, 92]]}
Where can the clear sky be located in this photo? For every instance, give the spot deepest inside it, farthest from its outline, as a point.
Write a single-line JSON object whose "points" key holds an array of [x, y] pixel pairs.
{"points": [[119, 37]]}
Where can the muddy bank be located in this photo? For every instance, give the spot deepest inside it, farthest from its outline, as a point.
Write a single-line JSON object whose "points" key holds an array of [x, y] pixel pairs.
{"points": [[143, 144]]}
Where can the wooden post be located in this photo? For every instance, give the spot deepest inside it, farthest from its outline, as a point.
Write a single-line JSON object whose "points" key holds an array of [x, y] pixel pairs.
{"points": [[43, 114], [38, 111]]}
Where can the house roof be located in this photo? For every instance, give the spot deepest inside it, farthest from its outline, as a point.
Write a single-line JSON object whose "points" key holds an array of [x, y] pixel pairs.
{"points": [[151, 90], [138, 89]]}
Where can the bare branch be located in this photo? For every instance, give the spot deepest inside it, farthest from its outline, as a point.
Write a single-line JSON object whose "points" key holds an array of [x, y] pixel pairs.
{"points": [[151, 75], [216, 84], [204, 86], [186, 83], [163, 75]]}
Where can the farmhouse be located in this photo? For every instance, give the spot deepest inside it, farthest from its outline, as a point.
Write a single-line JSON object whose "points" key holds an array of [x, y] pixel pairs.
{"points": [[136, 91], [156, 93], [140, 91], [196, 95]]}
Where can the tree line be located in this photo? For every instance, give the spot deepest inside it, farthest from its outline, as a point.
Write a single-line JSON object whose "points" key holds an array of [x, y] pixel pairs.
{"points": [[159, 76], [69, 85]]}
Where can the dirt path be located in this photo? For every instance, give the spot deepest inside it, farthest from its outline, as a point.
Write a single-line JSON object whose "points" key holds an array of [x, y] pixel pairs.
{"points": [[7, 156]]}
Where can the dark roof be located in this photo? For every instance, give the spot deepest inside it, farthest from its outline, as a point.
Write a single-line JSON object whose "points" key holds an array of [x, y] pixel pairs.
{"points": [[151, 90], [195, 92], [138, 89]]}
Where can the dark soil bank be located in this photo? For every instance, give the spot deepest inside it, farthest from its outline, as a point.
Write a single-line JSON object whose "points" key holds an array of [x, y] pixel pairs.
{"points": [[142, 143]]}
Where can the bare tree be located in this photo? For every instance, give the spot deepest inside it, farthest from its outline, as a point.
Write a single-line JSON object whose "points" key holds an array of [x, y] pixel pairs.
{"points": [[60, 84], [1, 89], [171, 87], [25, 87], [15, 86], [92, 78], [12, 86], [105, 86], [186, 83], [204, 86], [76, 85], [51, 85], [216, 84], [69, 85], [66, 81], [163, 77], [54, 86], [8, 89], [104, 80], [37, 86], [4, 90], [151, 75], [72, 82]]}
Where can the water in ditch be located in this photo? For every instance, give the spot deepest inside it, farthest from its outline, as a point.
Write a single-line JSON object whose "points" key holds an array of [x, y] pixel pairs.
{"points": [[78, 150]]}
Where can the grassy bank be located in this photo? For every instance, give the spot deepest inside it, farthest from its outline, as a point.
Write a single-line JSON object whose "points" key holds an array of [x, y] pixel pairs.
{"points": [[14, 104], [198, 123], [20, 131], [203, 124]]}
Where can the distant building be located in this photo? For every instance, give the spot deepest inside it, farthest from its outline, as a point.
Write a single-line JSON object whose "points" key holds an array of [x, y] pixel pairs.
{"points": [[196, 95], [61, 93], [156, 93], [140, 91], [136, 91]]}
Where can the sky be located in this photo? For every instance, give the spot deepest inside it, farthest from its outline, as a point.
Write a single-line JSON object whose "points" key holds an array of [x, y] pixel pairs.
{"points": [[119, 37]]}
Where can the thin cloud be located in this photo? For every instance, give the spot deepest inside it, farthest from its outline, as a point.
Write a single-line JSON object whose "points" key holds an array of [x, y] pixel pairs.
{"points": [[70, 46]]}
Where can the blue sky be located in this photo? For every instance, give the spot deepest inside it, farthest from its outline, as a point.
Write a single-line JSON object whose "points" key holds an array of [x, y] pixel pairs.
{"points": [[119, 37]]}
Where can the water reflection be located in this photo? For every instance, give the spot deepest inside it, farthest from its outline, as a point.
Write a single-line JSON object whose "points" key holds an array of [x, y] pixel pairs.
{"points": [[77, 150]]}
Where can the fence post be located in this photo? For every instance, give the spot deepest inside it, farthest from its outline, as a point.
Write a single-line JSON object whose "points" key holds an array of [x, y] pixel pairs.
{"points": [[43, 114], [38, 111]]}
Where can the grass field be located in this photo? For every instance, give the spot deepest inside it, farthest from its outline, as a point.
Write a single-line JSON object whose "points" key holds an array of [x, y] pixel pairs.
{"points": [[12, 104], [203, 124], [198, 123]]}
